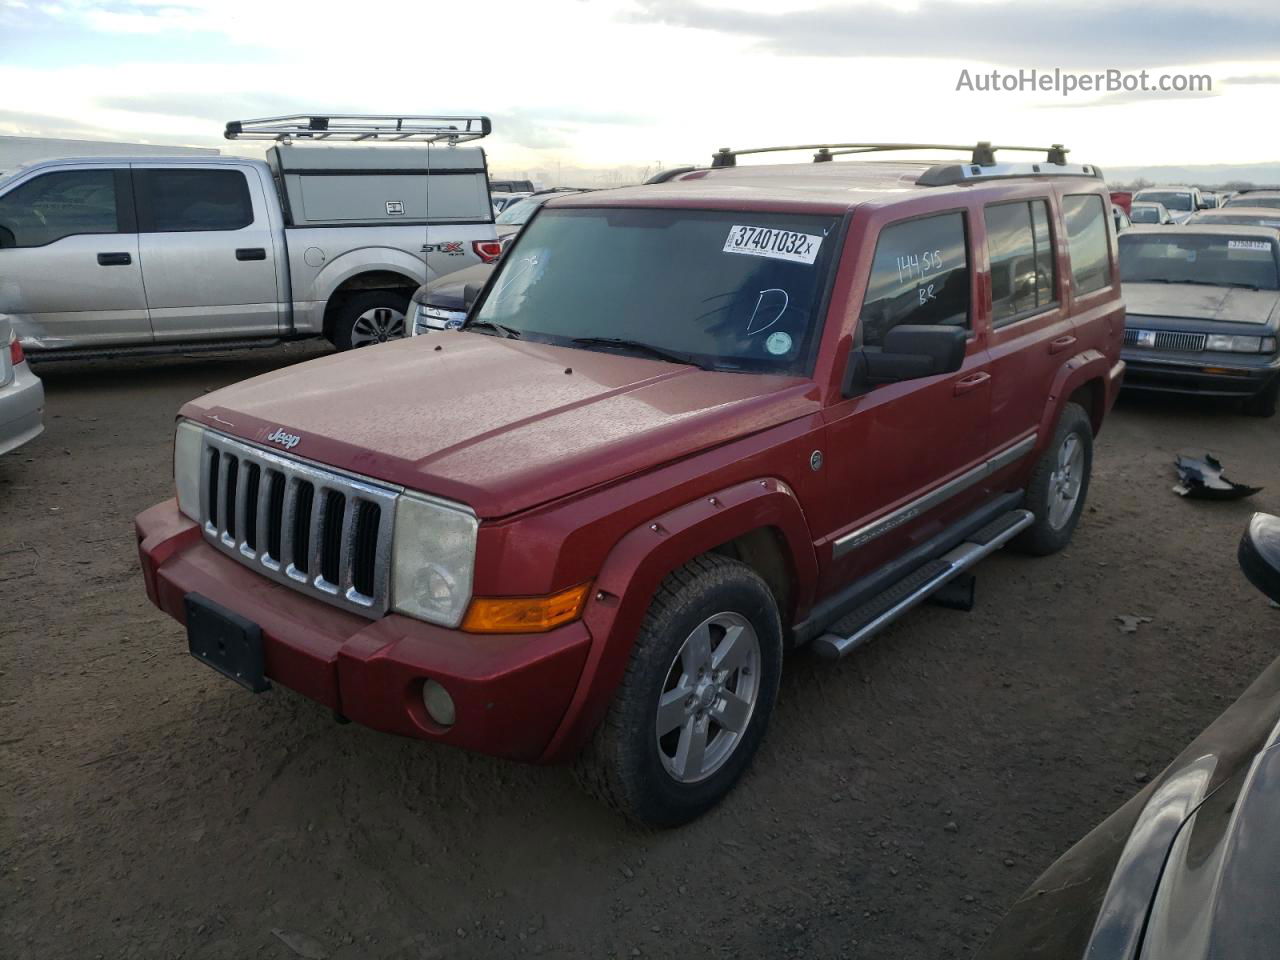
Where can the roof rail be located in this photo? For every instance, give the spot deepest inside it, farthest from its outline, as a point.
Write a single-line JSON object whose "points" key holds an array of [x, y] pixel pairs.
{"points": [[662, 176], [983, 152], [356, 127]]}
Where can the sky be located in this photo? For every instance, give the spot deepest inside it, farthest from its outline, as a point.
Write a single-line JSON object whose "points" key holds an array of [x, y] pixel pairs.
{"points": [[590, 84]]}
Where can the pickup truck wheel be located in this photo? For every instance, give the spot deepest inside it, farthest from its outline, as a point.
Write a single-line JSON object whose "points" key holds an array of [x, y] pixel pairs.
{"points": [[1059, 485], [369, 318], [1263, 404], [696, 698]]}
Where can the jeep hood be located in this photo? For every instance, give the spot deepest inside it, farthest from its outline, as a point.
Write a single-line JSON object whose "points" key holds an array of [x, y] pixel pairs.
{"points": [[498, 424], [1191, 301]]}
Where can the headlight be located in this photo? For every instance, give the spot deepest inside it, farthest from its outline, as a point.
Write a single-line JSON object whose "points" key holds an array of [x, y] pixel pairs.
{"points": [[188, 445], [427, 318], [1219, 342], [433, 557]]}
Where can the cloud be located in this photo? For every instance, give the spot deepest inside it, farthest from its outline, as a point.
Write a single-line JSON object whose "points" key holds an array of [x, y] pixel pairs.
{"points": [[1128, 33], [1255, 79], [1124, 98]]}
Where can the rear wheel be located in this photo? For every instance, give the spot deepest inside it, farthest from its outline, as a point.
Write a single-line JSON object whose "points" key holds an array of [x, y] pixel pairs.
{"points": [[368, 318], [1059, 484], [696, 698], [1263, 404]]}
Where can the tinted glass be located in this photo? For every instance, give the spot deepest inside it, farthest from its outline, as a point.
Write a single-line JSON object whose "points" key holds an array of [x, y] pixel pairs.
{"points": [[669, 279], [1170, 199], [519, 211], [1144, 215], [1021, 259], [920, 275], [183, 200], [1178, 257], [1087, 241], [58, 205], [1247, 200]]}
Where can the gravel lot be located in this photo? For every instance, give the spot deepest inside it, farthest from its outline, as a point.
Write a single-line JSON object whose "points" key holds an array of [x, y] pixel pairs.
{"points": [[901, 801]]}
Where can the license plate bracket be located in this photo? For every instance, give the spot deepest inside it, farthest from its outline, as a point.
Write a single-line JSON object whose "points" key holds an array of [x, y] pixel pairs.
{"points": [[226, 641]]}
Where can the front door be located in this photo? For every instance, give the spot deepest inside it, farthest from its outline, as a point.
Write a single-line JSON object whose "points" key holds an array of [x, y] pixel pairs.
{"points": [[906, 459], [208, 255], [69, 266]]}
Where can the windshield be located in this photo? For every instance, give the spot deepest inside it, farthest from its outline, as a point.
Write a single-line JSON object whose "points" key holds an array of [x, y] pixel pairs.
{"points": [[1171, 200], [724, 290], [1144, 214], [1247, 200], [1241, 219], [519, 212], [1199, 258]]}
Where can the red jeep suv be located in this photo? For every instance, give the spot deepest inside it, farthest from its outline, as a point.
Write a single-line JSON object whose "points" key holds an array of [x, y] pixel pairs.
{"points": [[686, 426]]}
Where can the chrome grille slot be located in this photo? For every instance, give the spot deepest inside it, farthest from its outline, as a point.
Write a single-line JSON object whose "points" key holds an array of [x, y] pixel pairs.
{"points": [[318, 530], [1169, 340]]}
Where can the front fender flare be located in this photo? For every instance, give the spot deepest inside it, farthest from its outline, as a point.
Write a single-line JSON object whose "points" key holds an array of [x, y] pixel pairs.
{"points": [[636, 566]]}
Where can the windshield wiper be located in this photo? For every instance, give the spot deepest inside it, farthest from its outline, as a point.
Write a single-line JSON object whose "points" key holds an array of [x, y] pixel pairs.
{"points": [[624, 344], [510, 333]]}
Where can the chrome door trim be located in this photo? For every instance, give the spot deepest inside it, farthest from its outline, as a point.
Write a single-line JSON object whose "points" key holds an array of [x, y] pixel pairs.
{"points": [[909, 511]]}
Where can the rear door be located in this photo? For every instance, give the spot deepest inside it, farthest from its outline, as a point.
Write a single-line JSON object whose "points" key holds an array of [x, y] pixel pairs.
{"points": [[906, 459], [208, 259], [69, 266]]}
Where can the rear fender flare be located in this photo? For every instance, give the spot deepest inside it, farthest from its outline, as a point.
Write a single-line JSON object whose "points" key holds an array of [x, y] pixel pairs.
{"points": [[1084, 367], [636, 566], [367, 260]]}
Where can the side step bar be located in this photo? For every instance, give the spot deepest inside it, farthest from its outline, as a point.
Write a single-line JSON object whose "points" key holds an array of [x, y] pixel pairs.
{"points": [[855, 629]]}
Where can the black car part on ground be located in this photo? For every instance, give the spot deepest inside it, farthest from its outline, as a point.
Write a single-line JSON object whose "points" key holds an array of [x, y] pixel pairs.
{"points": [[1202, 479]]}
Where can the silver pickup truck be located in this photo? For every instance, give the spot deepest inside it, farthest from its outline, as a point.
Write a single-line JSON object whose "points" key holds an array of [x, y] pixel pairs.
{"points": [[111, 256]]}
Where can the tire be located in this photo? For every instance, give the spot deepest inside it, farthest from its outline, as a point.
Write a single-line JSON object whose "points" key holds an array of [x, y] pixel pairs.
{"points": [[655, 779], [1056, 496], [1263, 404], [364, 319]]}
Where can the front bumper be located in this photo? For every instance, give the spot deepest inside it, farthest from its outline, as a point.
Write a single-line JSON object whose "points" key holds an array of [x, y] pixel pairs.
{"points": [[21, 409], [1205, 374], [510, 692]]}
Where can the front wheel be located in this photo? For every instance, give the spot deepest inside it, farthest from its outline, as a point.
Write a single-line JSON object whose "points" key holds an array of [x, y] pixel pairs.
{"points": [[1059, 484], [696, 698], [368, 318]]}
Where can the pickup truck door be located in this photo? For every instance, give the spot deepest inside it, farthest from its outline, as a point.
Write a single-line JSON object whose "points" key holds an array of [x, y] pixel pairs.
{"points": [[69, 265], [906, 459], [208, 252]]}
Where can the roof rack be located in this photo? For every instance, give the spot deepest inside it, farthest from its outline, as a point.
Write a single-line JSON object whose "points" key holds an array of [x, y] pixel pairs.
{"points": [[355, 127], [983, 152]]}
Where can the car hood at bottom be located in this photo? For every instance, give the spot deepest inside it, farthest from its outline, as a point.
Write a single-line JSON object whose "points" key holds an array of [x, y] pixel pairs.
{"points": [[500, 425], [1196, 302]]}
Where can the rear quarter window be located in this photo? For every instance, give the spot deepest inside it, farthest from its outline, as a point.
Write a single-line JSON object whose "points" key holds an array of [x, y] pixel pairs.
{"points": [[920, 275], [1087, 243]]}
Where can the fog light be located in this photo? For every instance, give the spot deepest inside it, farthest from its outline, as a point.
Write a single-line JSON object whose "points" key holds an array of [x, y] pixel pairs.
{"points": [[438, 703]]}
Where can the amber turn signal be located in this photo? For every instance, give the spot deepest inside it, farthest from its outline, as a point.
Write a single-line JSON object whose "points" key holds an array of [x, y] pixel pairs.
{"points": [[525, 614]]}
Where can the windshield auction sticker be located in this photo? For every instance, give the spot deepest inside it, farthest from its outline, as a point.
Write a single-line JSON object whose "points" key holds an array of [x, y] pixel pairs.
{"points": [[775, 244], [1260, 245]]}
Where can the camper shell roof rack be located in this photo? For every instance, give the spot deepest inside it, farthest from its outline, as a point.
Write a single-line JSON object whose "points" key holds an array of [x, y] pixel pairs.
{"points": [[981, 166], [361, 127]]}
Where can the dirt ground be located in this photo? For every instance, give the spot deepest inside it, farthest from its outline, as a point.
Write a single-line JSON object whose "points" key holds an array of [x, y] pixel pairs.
{"points": [[902, 799]]}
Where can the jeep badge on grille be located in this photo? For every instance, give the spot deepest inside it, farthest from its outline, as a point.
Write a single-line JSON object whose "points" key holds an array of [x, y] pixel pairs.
{"points": [[286, 440]]}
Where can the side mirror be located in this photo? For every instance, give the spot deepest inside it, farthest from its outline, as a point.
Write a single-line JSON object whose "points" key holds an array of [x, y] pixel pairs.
{"points": [[909, 353], [1259, 554]]}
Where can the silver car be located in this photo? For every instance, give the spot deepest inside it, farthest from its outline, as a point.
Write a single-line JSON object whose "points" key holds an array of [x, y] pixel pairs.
{"points": [[21, 393]]}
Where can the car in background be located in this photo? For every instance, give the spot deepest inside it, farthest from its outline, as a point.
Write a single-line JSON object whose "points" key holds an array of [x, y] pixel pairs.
{"points": [[1241, 216], [1203, 312], [1181, 202], [501, 201], [1188, 869], [518, 214], [1120, 218], [21, 393], [1256, 198], [1148, 212], [511, 186], [1122, 199], [1210, 200], [443, 303]]}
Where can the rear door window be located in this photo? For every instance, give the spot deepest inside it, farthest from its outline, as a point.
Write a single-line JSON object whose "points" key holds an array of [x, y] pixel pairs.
{"points": [[920, 275], [1022, 269], [1087, 241], [181, 201], [56, 205]]}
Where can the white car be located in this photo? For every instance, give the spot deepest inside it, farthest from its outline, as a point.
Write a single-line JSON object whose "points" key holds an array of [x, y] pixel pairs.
{"points": [[21, 393], [1181, 202]]}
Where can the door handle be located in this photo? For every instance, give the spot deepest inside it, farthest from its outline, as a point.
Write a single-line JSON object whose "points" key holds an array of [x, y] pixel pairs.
{"points": [[971, 382], [1062, 343], [251, 253], [114, 259]]}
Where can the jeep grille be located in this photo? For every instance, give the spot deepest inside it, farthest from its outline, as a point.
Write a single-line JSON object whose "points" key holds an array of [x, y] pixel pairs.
{"points": [[324, 533]]}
